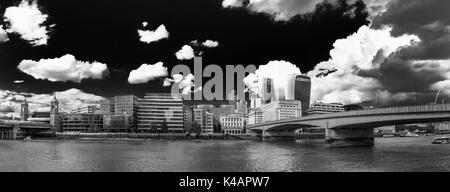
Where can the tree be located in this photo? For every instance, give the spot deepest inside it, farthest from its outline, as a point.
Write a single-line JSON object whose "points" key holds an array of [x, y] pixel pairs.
{"points": [[153, 128], [217, 126], [196, 128], [164, 127]]}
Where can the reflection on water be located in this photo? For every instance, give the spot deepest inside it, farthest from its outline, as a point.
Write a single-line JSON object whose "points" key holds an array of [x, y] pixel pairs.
{"points": [[389, 154]]}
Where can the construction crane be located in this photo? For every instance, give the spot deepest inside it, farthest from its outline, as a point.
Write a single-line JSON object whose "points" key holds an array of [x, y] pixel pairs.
{"points": [[437, 95]]}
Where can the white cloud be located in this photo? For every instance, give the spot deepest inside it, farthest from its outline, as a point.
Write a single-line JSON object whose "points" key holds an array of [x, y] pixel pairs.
{"points": [[70, 99], [147, 72], [210, 43], [280, 10], [281, 72], [144, 24], [376, 7], [19, 81], [232, 3], [3, 35], [185, 83], [27, 20], [65, 68], [176, 78], [148, 36], [348, 57], [441, 66], [185, 53], [194, 43], [283, 10]]}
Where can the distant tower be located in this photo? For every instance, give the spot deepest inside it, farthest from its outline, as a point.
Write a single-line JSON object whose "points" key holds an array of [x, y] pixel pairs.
{"points": [[242, 107], [303, 91], [24, 110], [54, 113], [268, 91]]}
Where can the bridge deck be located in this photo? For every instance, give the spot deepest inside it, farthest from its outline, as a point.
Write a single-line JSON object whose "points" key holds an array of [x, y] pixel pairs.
{"points": [[378, 111]]}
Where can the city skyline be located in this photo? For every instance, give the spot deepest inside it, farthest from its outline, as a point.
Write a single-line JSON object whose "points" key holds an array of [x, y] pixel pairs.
{"points": [[115, 52]]}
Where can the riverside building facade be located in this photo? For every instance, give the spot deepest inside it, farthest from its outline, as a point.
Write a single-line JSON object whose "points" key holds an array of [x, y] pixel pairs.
{"points": [[204, 118], [255, 117], [81, 122], [318, 108], [87, 109], [125, 105], [233, 124], [157, 110], [282, 109]]}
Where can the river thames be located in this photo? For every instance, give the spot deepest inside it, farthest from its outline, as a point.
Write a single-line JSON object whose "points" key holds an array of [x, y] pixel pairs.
{"points": [[388, 154]]}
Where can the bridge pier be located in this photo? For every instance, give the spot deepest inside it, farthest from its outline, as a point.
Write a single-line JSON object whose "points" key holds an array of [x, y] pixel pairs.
{"points": [[349, 137], [6, 134], [278, 135], [256, 134]]}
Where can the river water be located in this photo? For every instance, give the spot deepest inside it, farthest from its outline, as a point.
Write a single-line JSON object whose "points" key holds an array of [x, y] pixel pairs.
{"points": [[388, 154]]}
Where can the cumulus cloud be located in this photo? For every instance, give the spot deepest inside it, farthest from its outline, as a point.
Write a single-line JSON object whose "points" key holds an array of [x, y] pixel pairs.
{"points": [[176, 78], [27, 20], [6, 107], [284, 10], [147, 72], [281, 10], [232, 3], [194, 43], [281, 72], [18, 81], [422, 67], [3, 35], [65, 68], [358, 52], [185, 84], [210, 43], [148, 36], [69, 99], [185, 53]]}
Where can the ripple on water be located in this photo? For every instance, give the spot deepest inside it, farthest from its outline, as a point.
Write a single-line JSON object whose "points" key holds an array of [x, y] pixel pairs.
{"points": [[388, 154]]}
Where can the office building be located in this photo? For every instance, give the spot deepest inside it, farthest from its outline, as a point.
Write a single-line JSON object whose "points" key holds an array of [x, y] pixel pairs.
{"points": [[87, 109], [282, 109], [255, 117], [218, 111], [42, 117], [122, 105], [255, 101], [159, 109], [267, 91], [204, 118], [116, 123], [209, 123], [81, 122], [233, 124], [54, 114], [241, 107], [325, 108], [442, 126], [302, 91], [24, 111], [107, 106], [188, 117], [222, 110]]}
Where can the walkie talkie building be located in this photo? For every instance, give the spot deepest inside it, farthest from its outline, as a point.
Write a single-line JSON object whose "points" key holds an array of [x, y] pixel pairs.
{"points": [[303, 91]]}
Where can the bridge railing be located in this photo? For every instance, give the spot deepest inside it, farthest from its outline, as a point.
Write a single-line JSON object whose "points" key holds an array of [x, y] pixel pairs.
{"points": [[388, 110]]}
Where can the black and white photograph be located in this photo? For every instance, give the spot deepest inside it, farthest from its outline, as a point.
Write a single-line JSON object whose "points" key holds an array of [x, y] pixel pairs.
{"points": [[192, 86]]}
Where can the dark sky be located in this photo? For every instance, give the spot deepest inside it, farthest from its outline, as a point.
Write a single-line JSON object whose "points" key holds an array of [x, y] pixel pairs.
{"points": [[106, 31]]}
